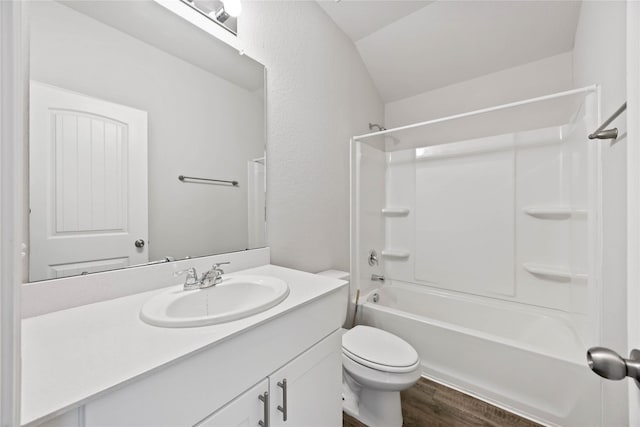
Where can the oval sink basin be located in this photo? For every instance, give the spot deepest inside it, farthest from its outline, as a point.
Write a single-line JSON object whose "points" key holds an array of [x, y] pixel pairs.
{"points": [[235, 298]]}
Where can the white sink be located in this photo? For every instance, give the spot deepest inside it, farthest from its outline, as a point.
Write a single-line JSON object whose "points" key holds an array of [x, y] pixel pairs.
{"points": [[236, 297]]}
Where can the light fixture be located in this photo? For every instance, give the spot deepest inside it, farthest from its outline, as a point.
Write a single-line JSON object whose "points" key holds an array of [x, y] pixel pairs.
{"points": [[222, 12], [232, 7], [222, 15], [206, 6]]}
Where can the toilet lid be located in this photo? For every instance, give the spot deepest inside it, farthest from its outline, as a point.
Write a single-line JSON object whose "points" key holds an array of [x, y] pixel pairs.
{"points": [[379, 349]]}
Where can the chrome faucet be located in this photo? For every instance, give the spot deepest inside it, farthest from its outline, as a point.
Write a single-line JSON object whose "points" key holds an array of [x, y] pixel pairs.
{"points": [[191, 282], [208, 279], [213, 276]]}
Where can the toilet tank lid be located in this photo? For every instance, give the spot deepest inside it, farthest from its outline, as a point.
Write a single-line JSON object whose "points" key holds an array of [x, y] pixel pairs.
{"points": [[335, 274]]}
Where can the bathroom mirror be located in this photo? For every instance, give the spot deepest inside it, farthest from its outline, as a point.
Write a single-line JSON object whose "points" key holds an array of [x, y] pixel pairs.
{"points": [[125, 98]]}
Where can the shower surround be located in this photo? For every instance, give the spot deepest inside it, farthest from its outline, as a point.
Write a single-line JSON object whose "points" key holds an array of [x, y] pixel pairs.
{"points": [[488, 226]]}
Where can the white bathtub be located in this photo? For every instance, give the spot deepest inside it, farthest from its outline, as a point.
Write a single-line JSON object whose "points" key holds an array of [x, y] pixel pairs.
{"points": [[526, 360]]}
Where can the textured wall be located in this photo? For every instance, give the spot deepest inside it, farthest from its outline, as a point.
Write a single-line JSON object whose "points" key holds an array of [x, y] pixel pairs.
{"points": [[319, 95]]}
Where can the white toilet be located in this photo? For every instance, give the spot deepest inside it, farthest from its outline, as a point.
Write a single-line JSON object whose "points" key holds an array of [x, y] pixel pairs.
{"points": [[377, 365]]}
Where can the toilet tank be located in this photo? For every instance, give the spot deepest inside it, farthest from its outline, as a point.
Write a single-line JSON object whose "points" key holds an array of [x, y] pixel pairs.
{"points": [[335, 274], [341, 275]]}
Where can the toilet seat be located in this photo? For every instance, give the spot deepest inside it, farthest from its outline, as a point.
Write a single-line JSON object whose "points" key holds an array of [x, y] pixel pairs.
{"points": [[379, 350], [380, 367]]}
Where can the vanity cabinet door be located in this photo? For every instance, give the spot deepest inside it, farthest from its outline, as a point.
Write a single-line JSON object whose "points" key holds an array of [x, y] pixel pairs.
{"points": [[309, 388], [245, 410]]}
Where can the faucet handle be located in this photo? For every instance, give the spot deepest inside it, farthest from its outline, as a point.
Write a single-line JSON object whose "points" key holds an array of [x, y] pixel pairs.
{"points": [[216, 266], [213, 276], [192, 276]]}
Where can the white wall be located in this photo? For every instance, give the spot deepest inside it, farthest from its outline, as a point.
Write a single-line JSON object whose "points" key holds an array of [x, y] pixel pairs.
{"points": [[319, 95], [192, 124], [549, 75], [600, 57]]}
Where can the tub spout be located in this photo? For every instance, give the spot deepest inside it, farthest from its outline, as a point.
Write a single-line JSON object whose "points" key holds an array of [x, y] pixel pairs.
{"points": [[378, 277]]}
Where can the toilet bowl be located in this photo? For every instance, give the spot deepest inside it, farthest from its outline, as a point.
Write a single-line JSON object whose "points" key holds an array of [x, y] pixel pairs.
{"points": [[376, 367]]}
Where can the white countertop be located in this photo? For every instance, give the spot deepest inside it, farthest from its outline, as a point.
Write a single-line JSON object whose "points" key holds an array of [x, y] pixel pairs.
{"points": [[72, 355]]}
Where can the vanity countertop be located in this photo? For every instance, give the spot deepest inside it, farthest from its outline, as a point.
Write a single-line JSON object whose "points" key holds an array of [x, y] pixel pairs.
{"points": [[71, 356]]}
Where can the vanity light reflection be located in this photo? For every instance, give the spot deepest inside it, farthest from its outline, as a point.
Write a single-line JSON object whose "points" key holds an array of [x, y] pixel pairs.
{"points": [[222, 12]]}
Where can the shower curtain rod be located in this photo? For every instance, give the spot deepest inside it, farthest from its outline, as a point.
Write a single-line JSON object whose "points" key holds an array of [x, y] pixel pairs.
{"points": [[591, 88]]}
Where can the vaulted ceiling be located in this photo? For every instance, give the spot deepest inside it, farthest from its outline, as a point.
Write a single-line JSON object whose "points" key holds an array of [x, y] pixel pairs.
{"points": [[410, 47]]}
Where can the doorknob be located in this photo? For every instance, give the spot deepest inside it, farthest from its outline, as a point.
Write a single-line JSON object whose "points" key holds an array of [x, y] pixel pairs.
{"points": [[139, 243], [609, 364]]}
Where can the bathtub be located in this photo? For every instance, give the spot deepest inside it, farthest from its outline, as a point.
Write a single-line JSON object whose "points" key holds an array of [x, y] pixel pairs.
{"points": [[526, 360]]}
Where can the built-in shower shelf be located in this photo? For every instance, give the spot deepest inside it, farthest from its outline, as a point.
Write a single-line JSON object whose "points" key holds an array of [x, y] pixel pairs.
{"points": [[395, 211], [394, 253], [554, 212], [554, 272]]}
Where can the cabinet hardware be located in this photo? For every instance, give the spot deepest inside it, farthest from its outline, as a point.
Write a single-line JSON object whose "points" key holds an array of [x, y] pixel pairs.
{"points": [[283, 408], [264, 397]]}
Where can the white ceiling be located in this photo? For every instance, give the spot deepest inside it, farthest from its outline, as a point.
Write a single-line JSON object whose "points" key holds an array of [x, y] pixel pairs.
{"points": [[358, 18], [410, 47]]}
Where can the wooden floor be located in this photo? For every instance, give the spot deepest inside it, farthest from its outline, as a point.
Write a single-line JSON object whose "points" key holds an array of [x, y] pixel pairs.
{"points": [[430, 404]]}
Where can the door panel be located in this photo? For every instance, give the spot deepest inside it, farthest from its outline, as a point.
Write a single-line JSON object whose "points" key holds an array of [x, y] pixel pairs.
{"points": [[313, 387], [90, 165], [633, 183], [76, 268]]}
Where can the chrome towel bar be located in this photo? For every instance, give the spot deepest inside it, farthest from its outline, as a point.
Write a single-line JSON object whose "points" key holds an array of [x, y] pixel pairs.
{"points": [[602, 133], [193, 178]]}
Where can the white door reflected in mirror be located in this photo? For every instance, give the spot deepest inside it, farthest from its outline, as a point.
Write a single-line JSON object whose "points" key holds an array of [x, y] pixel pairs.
{"points": [[88, 184]]}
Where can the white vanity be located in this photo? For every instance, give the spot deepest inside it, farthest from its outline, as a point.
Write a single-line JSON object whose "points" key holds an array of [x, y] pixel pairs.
{"points": [[101, 365]]}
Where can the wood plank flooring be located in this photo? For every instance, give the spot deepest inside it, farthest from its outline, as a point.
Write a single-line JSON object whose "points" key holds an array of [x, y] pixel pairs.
{"points": [[430, 404]]}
